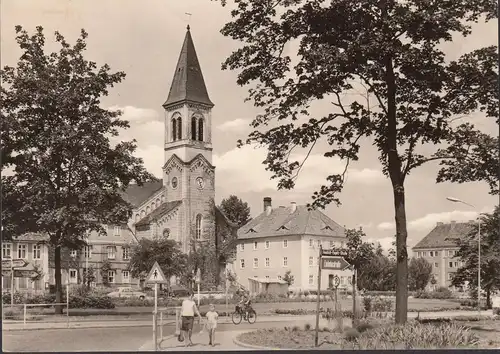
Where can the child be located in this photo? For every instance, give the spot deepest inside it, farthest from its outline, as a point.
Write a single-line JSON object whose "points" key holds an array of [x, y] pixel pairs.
{"points": [[211, 324]]}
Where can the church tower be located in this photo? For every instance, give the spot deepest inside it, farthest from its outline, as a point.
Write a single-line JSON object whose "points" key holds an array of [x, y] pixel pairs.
{"points": [[188, 173]]}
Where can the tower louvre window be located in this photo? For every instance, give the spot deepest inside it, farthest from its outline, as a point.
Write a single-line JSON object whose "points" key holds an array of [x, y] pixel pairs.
{"points": [[174, 129], [200, 129], [179, 128], [193, 128]]}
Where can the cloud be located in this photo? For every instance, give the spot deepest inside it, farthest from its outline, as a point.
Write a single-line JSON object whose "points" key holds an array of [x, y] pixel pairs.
{"points": [[428, 221], [242, 169], [236, 125], [137, 115]]}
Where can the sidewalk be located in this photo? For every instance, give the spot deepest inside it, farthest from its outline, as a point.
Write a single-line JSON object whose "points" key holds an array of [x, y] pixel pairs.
{"points": [[223, 341], [19, 326]]}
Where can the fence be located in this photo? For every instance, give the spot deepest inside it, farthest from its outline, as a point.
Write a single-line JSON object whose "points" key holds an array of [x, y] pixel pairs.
{"points": [[163, 314], [33, 315]]}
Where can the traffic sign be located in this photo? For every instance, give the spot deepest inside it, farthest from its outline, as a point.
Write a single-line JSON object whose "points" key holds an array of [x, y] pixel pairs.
{"points": [[340, 252], [24, 273], [337, 263], [156, 275], [16, 263], [336, 281], [197, 279]]}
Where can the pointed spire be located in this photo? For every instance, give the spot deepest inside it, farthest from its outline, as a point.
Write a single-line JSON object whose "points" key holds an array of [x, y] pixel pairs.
{"points": [[188, 83]]}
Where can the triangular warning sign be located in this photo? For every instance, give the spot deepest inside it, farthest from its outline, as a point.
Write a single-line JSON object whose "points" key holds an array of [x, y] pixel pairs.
{"points": [[156, 275]]}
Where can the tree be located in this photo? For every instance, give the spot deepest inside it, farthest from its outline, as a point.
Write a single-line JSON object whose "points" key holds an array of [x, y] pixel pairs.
{"points": [[378, 274], [235, 210], [490, 256], [67, 175], [288, 278], [168, 254], [391, 50], [419, 273]]}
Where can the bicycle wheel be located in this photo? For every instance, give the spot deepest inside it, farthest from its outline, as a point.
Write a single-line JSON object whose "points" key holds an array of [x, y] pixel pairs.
{"points": [[236, 317], [252, 317]]}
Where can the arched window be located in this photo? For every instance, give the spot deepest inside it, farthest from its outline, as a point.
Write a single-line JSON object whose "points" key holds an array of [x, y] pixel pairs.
{"points": [[143, 214], [162, 198], [166, 233], [198, 227], [147, 210], [179, 128], [193, 128], [137, 217], [174, 129], [157, 202], [200, 129]]}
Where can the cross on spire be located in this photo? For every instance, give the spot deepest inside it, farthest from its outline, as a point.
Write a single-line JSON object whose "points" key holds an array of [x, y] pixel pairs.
{"points": [[188, 14]]}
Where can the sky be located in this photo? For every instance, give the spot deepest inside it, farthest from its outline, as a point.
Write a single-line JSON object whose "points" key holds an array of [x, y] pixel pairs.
{"points": [[144, 38]]}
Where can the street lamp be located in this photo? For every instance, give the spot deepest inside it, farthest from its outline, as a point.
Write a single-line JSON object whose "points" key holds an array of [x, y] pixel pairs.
{"points": [[456, 200]]}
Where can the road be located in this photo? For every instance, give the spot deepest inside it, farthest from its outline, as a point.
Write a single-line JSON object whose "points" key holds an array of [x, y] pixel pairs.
{"points": [[98, 339]]}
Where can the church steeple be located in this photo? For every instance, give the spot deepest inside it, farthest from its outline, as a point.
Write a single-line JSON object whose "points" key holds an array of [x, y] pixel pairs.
{"points": [[188, 84]]}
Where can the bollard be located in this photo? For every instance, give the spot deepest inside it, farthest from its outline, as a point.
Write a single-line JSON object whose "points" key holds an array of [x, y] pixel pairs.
{"points": [[24, 317]]}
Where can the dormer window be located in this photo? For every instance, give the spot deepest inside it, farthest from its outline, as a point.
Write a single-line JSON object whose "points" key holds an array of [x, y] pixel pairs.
{"points": [[283, 227], [327, 228], [251, 230]]}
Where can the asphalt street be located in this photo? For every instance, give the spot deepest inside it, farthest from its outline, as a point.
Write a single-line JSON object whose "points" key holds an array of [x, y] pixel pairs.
{"points": [[99, 339]]}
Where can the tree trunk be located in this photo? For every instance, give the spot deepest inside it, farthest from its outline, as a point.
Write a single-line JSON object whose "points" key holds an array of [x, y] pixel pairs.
{"points": [[397, 180], [57, 275], [488, 299], [401, 258]]}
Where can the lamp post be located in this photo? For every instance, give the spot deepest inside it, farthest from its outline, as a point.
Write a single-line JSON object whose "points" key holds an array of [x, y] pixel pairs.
{"points": [[456, 200]]}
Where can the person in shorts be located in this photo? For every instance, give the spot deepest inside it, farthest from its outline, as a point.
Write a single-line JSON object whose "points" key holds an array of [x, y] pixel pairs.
{"points": [[211, 324], [188, 310]]}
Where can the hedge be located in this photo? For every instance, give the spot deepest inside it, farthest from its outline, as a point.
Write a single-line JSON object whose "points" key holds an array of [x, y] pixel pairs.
{"points": [[89, 301], [440, 293]]}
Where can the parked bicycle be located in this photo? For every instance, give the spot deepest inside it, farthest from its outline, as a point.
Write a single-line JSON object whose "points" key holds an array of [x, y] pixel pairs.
{"points": [[247, 314]]}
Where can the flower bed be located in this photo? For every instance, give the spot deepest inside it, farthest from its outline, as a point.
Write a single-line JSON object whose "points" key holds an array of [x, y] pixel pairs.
{"points": [[412, 335]]}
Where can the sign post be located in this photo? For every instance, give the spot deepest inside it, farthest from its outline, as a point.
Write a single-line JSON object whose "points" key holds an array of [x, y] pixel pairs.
{"points": [[354, 283], [12, 264], [156, 276], [337, 308], [198, 280], [227, 289]]}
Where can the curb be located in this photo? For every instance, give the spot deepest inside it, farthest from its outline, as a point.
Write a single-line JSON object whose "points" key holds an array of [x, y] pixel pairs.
{"points": [[73, 327], [251, 346]]}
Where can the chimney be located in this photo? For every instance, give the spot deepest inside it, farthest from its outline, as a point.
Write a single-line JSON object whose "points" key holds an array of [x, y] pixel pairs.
{"points": [[293, 207], [267, 203], [439, 223]]}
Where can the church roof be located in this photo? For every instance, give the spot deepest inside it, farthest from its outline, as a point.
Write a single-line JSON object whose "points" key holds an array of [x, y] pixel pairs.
{"points": [[282, 222], [158, 212], [136, 195], [444, 235], [188, 83]]}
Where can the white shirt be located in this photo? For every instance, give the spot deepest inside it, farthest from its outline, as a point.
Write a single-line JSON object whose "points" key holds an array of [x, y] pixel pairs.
{"points": [[187, 308]]}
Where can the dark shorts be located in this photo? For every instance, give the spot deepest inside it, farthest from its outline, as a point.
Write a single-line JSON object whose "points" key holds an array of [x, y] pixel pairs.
{"points": [[187, 323]]}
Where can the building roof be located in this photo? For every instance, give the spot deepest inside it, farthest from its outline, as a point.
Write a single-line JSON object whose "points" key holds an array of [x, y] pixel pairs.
{"points": [[136, 195], [188, 83], [158, 212], [31, 237], [443, 235], [282, 222]]}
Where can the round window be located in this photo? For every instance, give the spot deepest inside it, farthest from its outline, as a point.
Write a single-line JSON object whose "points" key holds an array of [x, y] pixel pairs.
{"points": [[174, 183]]}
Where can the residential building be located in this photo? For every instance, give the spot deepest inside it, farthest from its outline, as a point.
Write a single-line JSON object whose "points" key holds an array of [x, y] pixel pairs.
{"points": [[288, 239], [439, 248], [33, 248]]}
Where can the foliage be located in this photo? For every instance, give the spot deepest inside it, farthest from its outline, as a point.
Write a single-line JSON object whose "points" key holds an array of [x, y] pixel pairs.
{"points": [[351, 334], [378, 274], [236, 210], [89, 276], [91, 302], [419, 273], [288, 278], [56, 138], [166, 252], [414, 335], [490, 256], [392, 51], [364, 326]]}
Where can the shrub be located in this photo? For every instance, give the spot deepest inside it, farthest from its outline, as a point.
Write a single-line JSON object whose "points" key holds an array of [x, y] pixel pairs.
{"points": [[11, 313], [440, 293], [382, 305], [367, 304], [351, 334], [291, 311], [496, 311], [307, 327], [364, 326], [91, 302], [19, 298]]}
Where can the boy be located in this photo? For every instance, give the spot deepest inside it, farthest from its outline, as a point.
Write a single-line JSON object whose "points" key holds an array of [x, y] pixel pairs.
{"points": [[211, 324]]}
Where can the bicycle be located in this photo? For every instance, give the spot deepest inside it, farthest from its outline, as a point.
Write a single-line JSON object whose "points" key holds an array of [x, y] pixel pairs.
{"points": [[249, 315]]}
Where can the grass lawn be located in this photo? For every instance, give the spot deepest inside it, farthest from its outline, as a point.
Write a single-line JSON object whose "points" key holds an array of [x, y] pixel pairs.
{"points": [[487, 330]]}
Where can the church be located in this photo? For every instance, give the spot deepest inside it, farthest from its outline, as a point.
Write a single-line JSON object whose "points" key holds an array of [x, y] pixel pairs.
{"points": [[180, 206]]}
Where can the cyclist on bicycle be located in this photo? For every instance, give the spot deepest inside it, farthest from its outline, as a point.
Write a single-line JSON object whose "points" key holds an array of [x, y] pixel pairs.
{"points": [[244, 303]]}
